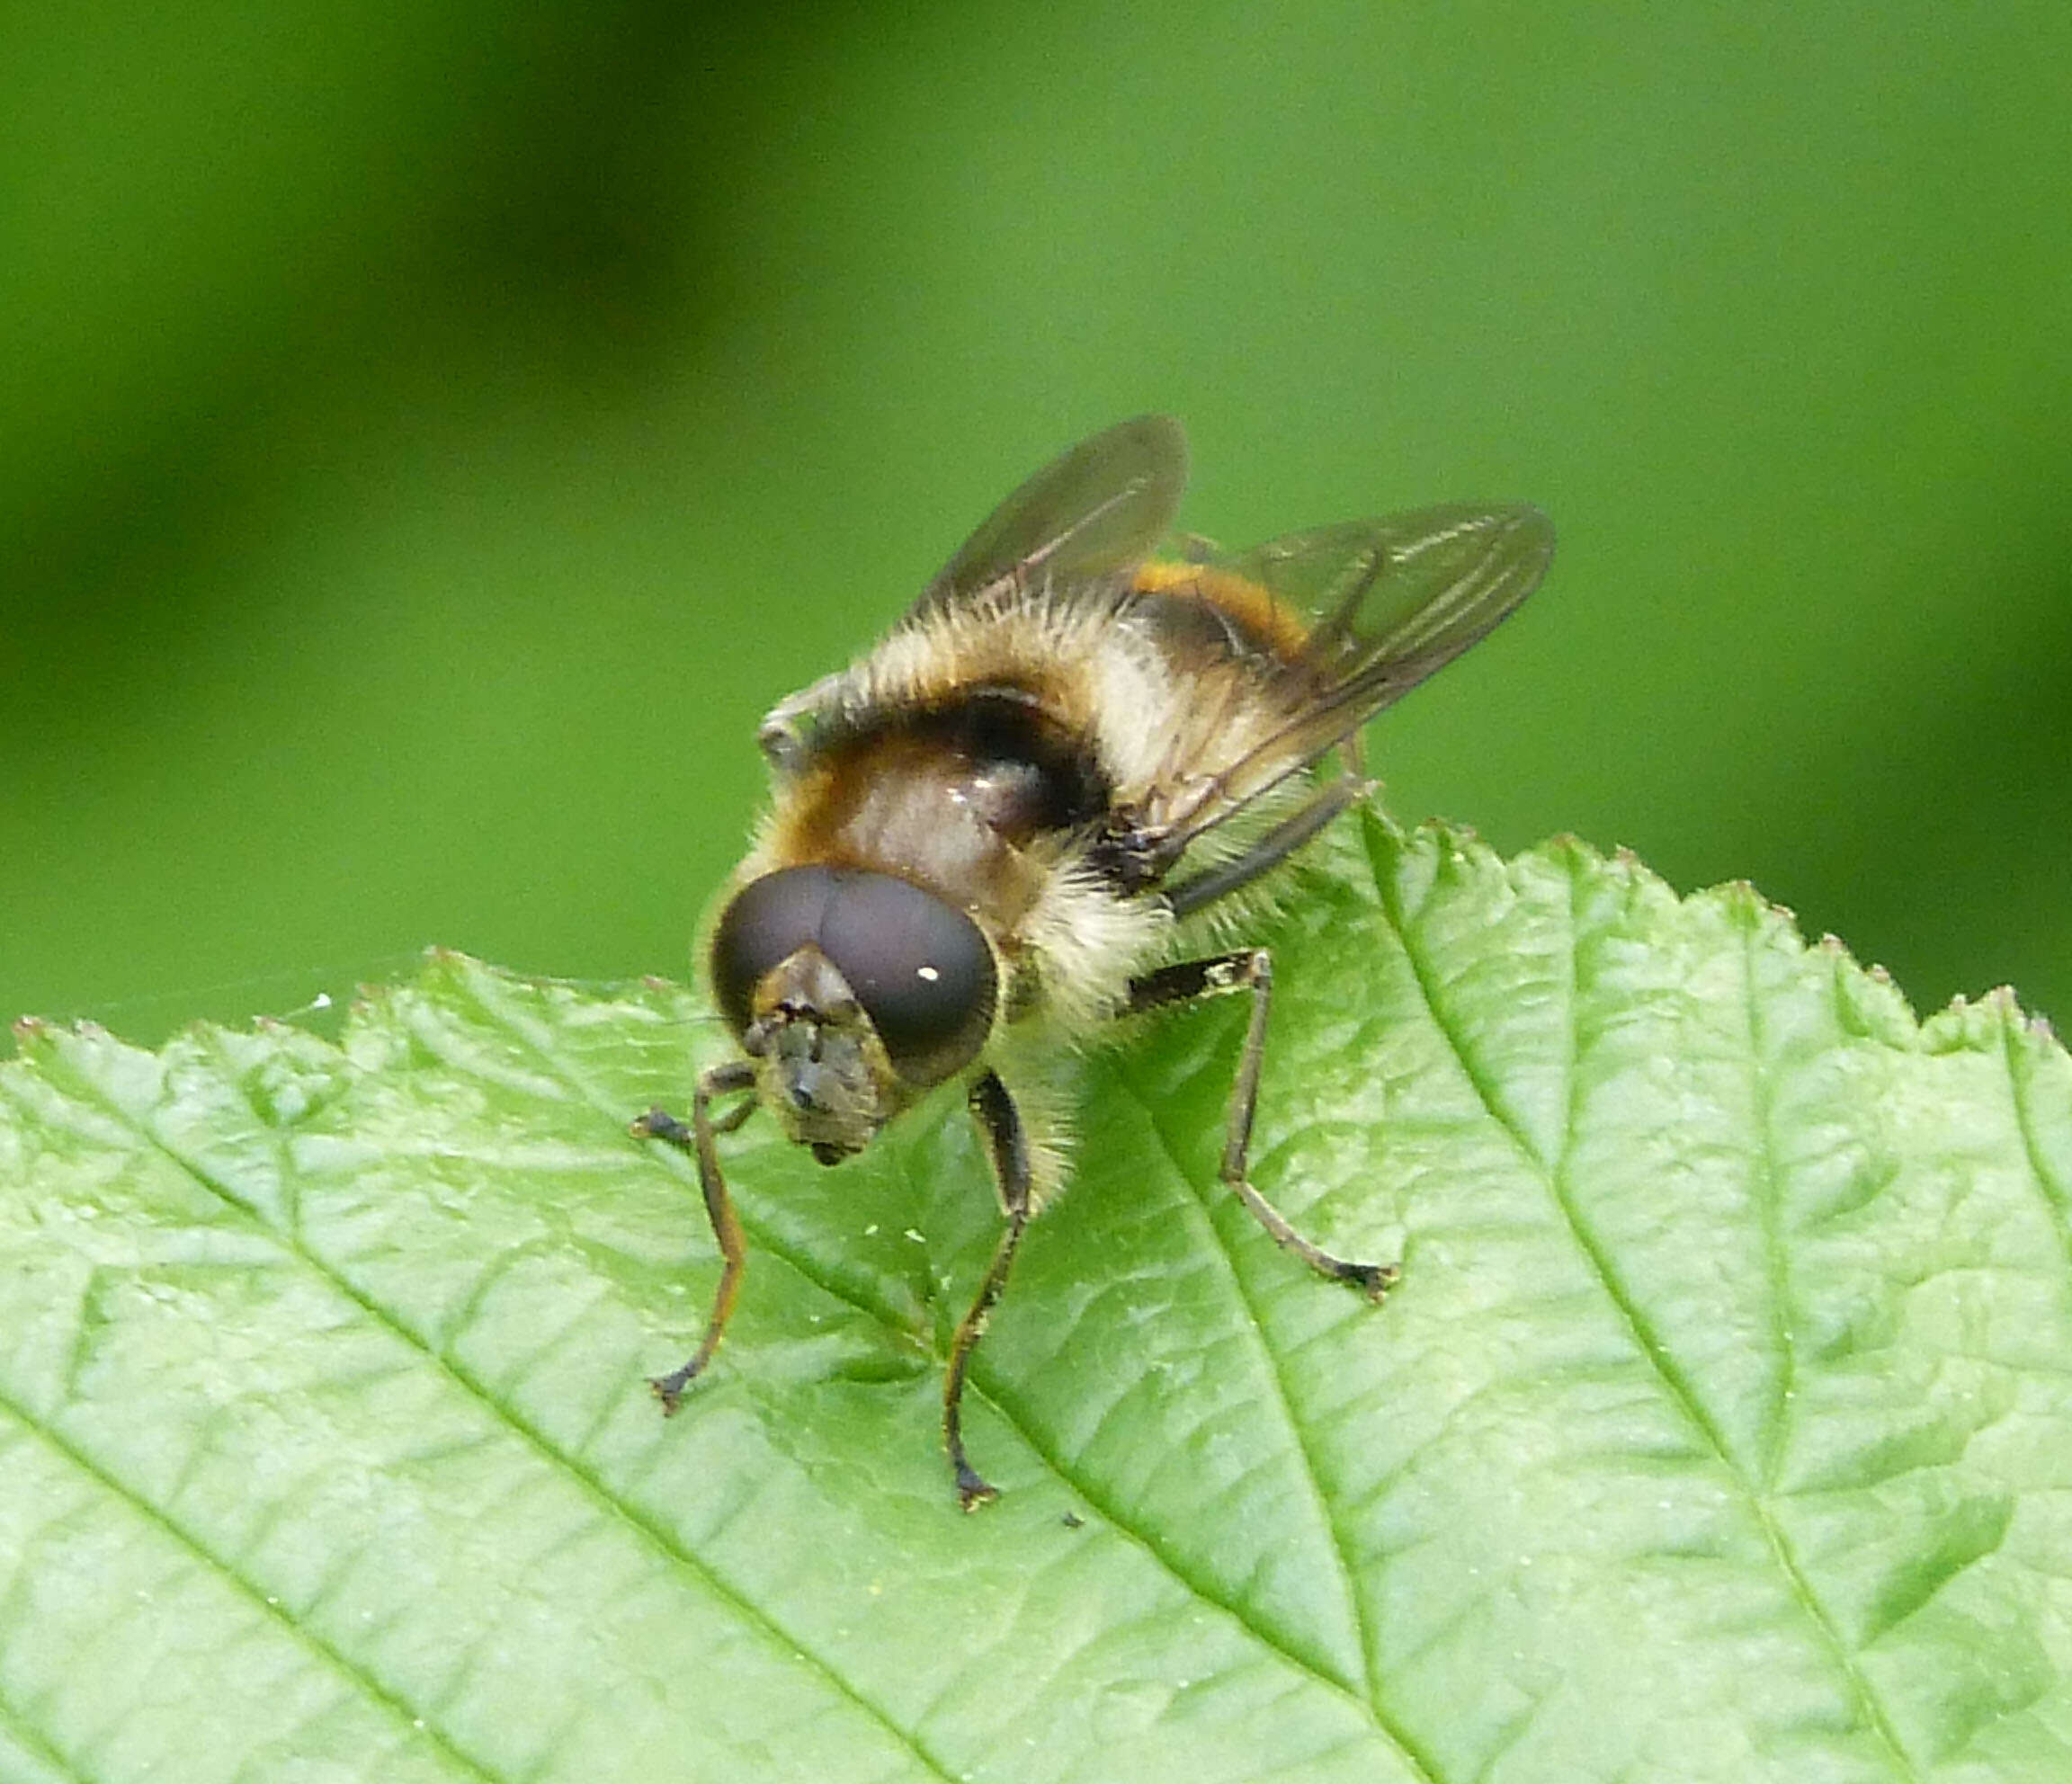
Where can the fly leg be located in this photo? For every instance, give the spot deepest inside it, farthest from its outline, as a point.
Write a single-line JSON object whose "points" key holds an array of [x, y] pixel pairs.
{"points": [[1250, 969], [697, 1139], [1007, 1146]]}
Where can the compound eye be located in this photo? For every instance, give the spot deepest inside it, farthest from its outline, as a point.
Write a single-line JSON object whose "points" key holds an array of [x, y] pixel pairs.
{"points": [[767, 921], [918, 965]]}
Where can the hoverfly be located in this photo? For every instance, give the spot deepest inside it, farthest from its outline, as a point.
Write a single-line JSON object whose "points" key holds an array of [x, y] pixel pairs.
{"points": [[1035, 808]]}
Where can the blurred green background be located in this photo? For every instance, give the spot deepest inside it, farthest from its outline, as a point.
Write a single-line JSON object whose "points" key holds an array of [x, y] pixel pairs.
{"points": [[431, 436]]}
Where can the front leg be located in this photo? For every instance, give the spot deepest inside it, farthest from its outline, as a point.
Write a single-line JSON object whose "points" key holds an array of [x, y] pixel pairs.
{"points": [[1251, 969], [697, 1139], [1007, 1147]]}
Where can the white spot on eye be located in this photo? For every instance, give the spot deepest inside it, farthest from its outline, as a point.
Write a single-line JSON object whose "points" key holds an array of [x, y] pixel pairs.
{"points": [[928, 973]]}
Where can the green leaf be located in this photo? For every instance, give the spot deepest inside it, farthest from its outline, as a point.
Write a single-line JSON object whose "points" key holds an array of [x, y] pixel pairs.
{"points": [[1719, 1428]]}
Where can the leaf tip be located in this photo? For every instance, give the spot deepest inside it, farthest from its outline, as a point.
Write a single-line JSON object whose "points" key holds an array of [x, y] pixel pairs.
{"points": [[446, 967], [1742, 902], [1748, 898], [2007, 1004], [1568, 849], [34, 1037]]}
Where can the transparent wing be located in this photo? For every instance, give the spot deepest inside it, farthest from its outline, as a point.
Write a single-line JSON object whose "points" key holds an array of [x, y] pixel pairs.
{"points": [[1394, 600], [1408, 592], [1099, 509]]}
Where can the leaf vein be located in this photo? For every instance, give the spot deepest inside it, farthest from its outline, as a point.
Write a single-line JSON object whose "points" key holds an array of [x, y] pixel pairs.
{"points": [[1641, 1329], [1311, 1476], [300, 1634], [2056, 1195], [781, 1642], [14, 1721], [1274, 1374], [1769, 1190]]}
